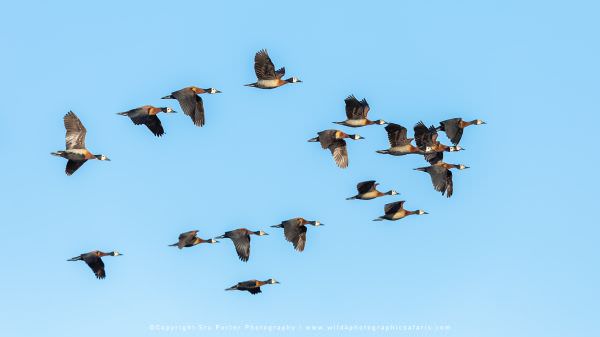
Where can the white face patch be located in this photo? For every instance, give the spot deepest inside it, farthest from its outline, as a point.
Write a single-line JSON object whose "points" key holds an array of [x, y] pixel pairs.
{"points": [[169, 110], [394, 192]]}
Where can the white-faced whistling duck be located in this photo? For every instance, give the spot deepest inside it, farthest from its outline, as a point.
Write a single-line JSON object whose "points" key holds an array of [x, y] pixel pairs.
{"points": [[426, 139], [395, 211], [191, 103], [241, 241], [75, 152], [399, 144], [441, 176], [356, 113], [294, 231], [94, 261], [268, 77], [252, 286], [334, 141], [147, 115], [367, 190], [454, 128], [189, 239]]}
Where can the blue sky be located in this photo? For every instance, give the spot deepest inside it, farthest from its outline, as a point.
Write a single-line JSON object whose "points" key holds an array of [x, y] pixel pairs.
{"points": [[512, 253]]}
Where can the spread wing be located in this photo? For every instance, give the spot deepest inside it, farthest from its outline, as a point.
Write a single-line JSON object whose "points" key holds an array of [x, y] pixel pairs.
{"points": [[365, 186], [254, 290], [152, 122], [393, 207], [425, 136], [75, 136], [453, 129], [326, 138], [186, 238], [242, 246], [340, 153], [434, 157], [264, 68], [441, 178], [295, 233], [356, 109], [73, 165], [396, 135], [191, 104], [95, 263], [280, 73]]}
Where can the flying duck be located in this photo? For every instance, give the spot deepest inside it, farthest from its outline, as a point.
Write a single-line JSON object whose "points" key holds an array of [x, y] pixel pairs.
{"points": [[367, 190], [356, 113], [426, 139], [252, 286], [441, 176], [94, 261], [147, 115], [295, 231], [191, 103], [241, 241], [334, 141], [189, 239], [454, 128], [268, 77], [395, 211], [75, 152], [399, 144]]}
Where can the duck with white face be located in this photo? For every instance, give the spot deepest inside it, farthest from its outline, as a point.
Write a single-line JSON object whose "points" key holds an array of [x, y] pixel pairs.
{"points": [[357, 113], [266, 75]]}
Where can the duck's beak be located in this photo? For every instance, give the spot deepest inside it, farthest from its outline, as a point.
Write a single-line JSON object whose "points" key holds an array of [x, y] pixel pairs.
{"points": [[218, 92]]}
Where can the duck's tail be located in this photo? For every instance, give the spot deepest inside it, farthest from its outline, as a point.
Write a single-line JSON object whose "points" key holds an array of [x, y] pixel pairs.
{"points": [[250, 85], [76, 258], [316, 139], [58, 153], [351, 198], [383, 151], [168, 97], [232, 288], [379, 219], [174, 245], [122, 113]]}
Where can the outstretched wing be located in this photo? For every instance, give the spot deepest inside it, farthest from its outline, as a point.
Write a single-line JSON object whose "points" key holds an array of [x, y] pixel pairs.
{"points": [[396, 135], [280, 73], [441, 178], [295, 233], [393, 207], [95, 263], [425, 136], [264, 68], [75, 136], [242, 246], [191, 104], [152, 122], [339, 152], [453, 129], [356, 109], [365, 186], [73, 165]]}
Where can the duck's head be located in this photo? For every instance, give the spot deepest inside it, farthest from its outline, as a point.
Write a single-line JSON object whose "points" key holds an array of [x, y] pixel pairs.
{"points": [[421, 212], [168, 110], [293, 80], [101, 157], [115, 253], [212, 91], [479, 122], [392, 192], [356, 137], [272, 281], [381, 122], [461, 167], [212, 241], [260, 233], [456, 148], [316, 223]]}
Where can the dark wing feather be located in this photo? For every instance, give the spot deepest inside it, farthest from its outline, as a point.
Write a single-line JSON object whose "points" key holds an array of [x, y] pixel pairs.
{"points": [[453, 129], [441, 178], [151, 121], [295, 233], [425, 136], [365, 186], [75, 136], [73, 165], [280, 73], [340, 152], [186, 239], [326, 138], [254, 290], [191, 104], [393, 207], [242, 246], [396, 134], [96, 264], [356, 109], [434, 157], [263, 66]]}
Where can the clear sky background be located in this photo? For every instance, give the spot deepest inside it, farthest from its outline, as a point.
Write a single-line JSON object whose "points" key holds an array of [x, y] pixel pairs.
{"points": [[513, 253]]}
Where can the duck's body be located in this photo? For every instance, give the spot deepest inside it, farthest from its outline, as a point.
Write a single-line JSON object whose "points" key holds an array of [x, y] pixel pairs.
{"points": [[295, 231], [189, 239], [356, 113], [241, 240], [94, 260], [147, 115], [267, 76], [454, 128], [367, 190], [400, 145], [252, 286], [75, 152], [441, 176], [395, 211], [192, 104], [334, 141]]}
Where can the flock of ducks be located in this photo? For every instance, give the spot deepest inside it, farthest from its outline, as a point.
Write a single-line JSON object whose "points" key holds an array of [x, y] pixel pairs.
{"points": [[294, 230]]}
